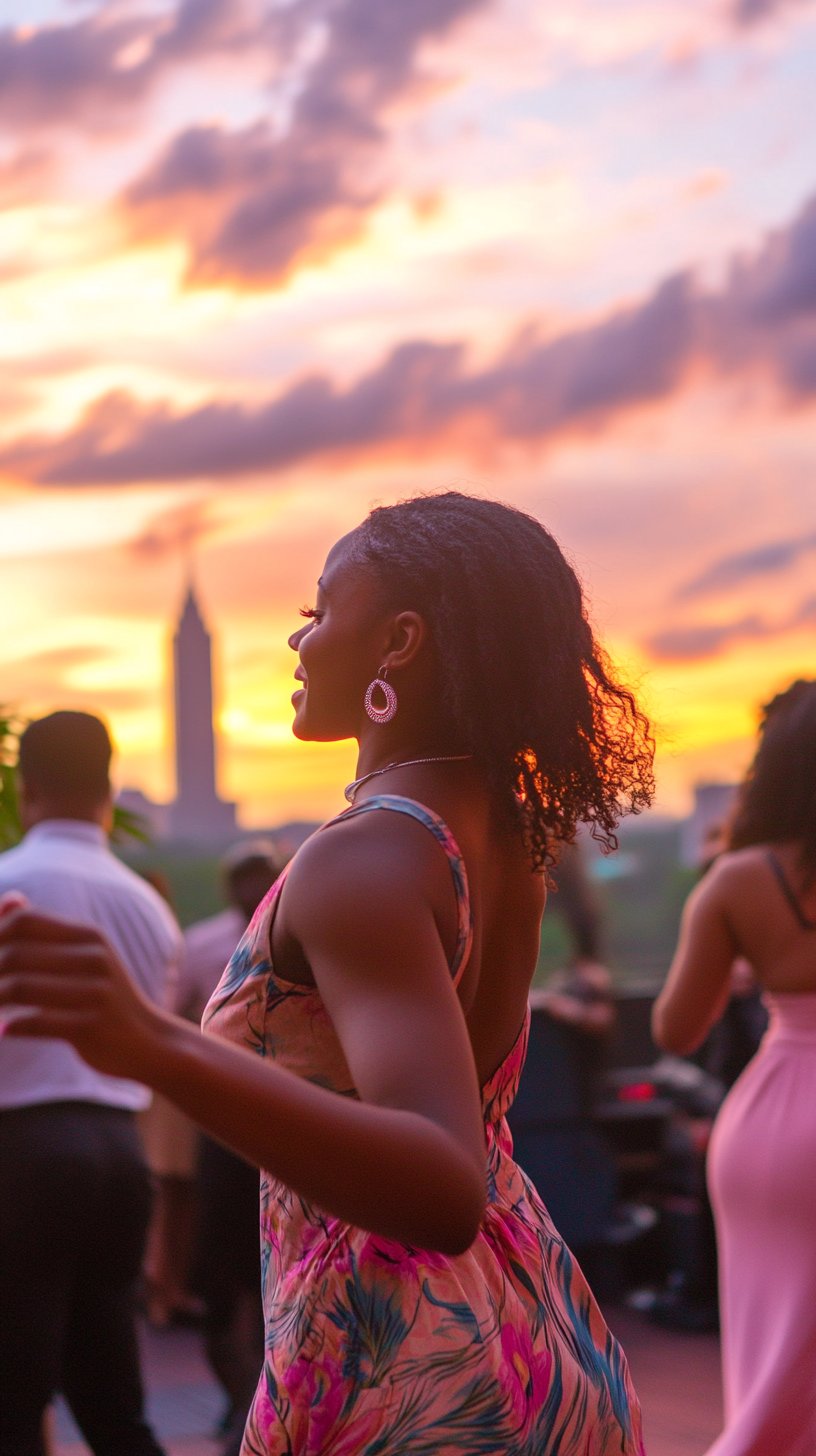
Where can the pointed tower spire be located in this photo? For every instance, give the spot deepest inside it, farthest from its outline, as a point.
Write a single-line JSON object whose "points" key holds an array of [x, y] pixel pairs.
{"points": [[198, 813]]}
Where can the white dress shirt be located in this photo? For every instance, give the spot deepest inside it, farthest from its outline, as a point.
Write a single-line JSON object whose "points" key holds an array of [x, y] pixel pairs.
{"points": [[208, 948], [64, 867]]}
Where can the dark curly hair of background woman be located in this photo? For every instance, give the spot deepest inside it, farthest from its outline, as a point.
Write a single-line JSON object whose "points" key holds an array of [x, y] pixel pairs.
{"points": [[777, 802], [528, 690]]}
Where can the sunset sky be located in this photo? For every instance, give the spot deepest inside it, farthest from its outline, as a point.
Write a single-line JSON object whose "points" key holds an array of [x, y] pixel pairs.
{"points": [[264, 264]]}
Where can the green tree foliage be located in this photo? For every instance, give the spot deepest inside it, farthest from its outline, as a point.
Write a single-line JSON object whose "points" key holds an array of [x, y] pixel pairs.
{"points": [[127, 825], [11, 726]]}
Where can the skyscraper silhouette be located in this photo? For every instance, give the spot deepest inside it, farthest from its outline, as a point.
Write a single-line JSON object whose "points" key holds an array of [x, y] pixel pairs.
{"points": [[197, 814]]}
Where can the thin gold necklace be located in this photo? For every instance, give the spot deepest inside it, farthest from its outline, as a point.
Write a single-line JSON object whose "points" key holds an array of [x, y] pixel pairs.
{"points": [[351, 789]]}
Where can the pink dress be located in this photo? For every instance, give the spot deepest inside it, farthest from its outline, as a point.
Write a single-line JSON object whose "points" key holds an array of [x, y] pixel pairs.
{"points": [[762, 1177], [377, 1349]]}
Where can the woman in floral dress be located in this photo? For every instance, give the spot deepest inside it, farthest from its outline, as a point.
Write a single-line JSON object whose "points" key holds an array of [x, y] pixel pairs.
{"points": [[367, 1038]]}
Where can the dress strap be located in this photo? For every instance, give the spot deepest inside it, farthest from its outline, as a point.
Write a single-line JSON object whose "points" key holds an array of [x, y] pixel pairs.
{"points": [[788, 892], [443, 836]]}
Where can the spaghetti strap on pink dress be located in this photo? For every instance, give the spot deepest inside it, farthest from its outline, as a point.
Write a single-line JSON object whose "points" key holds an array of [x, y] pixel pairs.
{"points": [[762, 1177], [377, 1349]]}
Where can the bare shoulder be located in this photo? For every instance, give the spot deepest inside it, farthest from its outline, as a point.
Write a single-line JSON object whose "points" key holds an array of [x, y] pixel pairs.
{"points": [[380, 854], [733, 874]]}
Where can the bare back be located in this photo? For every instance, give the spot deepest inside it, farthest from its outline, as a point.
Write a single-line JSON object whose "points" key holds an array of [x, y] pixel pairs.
{"points": [[770, 934], [745, 906]]}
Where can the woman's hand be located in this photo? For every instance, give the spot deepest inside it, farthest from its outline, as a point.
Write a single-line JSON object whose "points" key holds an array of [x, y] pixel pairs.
{"points": [[407, 1160], [77, 990]]}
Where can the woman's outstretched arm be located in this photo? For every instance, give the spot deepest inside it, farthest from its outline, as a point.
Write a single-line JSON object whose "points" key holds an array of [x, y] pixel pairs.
{"points": [[698, 984], [407, 1161]]}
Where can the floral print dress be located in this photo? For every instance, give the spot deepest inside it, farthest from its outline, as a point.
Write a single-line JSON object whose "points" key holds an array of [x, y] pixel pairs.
{"points": [[374, 1348]]}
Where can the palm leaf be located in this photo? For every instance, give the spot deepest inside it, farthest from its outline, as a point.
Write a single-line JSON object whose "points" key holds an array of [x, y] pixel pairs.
{"points": [[11, 726], [127, 825]]}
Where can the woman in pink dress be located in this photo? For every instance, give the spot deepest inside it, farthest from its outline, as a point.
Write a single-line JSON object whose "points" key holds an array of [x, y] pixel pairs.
{"points": [[759, 901], [367, 1037]]}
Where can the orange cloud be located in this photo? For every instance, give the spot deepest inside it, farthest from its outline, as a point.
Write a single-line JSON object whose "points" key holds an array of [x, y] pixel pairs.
{"points": [[177, 529], [708, 639]]}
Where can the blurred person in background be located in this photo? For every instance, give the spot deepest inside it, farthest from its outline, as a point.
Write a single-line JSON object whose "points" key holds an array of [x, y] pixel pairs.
{"points": [[581, 995], [555, 1138], [228, 1255], [690, 1300], [248, 871], [758, 902], [74, 1186], [170, 1142]]}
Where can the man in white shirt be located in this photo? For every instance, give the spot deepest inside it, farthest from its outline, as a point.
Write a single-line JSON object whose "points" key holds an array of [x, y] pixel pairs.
{"points": [[74, 1186]]}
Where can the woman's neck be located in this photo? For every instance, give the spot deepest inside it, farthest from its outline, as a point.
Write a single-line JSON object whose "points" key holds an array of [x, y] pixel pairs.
{"points": [[377, 752]]}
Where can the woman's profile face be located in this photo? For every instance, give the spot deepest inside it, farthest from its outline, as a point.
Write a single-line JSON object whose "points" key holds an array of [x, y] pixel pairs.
{"points": [[340, 648]]}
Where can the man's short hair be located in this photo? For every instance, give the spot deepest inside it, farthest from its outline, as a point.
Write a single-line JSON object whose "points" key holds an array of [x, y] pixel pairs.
{"points": [[67, 755]]}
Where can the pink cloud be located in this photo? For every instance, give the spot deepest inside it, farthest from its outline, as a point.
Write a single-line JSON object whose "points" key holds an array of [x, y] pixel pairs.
{"points": [[253, 204], [92, 73], [763, 318], [748, 13], [734, 570], [418, 393]]}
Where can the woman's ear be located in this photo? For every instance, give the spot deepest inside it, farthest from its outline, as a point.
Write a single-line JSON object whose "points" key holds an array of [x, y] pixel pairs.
{"points": [[408, 636]]}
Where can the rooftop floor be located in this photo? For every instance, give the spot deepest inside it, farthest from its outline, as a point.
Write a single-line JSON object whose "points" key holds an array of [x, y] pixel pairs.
{"points": [[676, 1376]]}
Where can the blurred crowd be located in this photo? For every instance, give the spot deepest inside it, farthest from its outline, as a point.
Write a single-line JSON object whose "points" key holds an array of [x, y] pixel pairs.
{"points": [[202, 1261], [113, 1201]]}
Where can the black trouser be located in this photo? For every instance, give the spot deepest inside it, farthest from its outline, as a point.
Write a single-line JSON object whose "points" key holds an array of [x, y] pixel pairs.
{"points": [[229, 1275], [74, 1208]]}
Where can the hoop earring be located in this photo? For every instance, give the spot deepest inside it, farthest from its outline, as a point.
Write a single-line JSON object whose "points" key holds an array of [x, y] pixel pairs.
{"points": [[381, 715]]}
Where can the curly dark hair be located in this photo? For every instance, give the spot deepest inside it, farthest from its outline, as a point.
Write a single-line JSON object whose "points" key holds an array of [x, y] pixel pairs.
{"points": [[528, 689], [777, 802]]}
